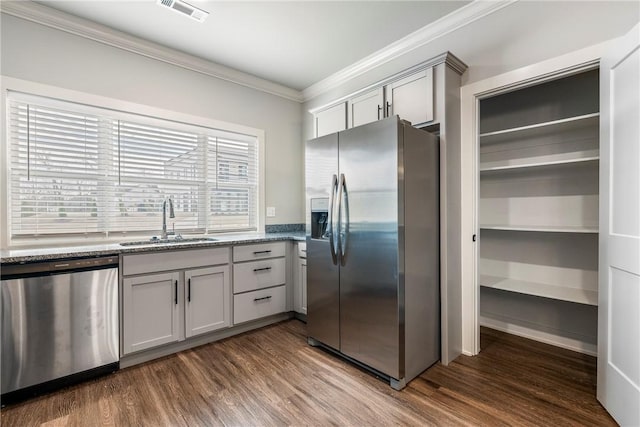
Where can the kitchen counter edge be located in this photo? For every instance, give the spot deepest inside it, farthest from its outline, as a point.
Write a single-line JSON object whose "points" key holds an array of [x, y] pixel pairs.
{"points": [[21, 256]]}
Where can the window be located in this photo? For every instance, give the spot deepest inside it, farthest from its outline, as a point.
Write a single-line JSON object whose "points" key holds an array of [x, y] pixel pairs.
{"points": [[232, 204], [79, 170]]}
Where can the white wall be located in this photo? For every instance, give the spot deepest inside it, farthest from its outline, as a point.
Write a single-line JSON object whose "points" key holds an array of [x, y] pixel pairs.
{"points": [[37, 53], [520, 34]]}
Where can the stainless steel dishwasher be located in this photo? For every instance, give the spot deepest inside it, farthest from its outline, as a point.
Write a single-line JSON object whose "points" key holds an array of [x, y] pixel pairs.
{"points": [[59, 324]]}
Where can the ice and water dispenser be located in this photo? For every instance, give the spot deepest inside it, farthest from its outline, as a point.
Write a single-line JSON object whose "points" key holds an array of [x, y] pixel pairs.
{"points": [[320, 218]]}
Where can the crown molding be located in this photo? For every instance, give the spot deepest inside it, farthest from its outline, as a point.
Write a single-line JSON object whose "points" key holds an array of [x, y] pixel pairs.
{"points": [[459, 18], [455, 63], [53, 18]]}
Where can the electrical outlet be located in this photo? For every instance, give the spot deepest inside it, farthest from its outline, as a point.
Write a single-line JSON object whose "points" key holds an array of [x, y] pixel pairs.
{"points": [[271, 211]]}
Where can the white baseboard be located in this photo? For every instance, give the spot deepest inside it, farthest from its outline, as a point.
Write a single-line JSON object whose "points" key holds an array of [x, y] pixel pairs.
{"points": [[536, 335]]}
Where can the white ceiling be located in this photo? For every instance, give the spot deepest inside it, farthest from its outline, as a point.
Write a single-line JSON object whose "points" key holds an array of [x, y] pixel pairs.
{"points": [[293, 43]]}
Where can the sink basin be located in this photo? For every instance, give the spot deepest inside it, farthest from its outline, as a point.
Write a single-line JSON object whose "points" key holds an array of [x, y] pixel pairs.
{"points": [[168, 241]]}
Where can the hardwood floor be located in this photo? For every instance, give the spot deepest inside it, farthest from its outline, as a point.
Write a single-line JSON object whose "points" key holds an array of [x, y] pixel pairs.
{"points": [[272, 377]]}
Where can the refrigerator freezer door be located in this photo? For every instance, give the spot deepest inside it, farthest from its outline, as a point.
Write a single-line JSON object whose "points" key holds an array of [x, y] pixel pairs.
{"points": [[370, 274], [323, 278]]}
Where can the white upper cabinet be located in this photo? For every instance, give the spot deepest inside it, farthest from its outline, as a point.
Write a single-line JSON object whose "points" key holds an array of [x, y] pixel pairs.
{"points": [[411, 98], [417, 95], [366, 108], [332, 119]]}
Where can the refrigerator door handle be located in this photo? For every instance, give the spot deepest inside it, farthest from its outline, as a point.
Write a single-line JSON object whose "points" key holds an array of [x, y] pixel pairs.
{"points": [[343, 206], [332, 228]]}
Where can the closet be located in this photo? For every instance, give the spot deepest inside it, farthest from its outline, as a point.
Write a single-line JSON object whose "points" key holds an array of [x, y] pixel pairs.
{"points": [[538, 211]]}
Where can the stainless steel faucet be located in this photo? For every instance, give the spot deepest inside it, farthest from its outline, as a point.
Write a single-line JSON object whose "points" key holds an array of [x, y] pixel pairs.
{"points": [[172, 214]]}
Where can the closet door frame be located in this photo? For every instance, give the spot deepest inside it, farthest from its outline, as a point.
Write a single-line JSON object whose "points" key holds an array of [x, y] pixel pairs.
{"points": [[471, 95]]}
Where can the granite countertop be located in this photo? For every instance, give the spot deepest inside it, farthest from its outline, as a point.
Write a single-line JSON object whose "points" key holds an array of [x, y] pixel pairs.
{"points": [[17, 256]]}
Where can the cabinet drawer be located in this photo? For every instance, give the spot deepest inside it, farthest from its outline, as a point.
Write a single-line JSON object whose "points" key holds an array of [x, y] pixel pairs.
{"points": [[260, 251], [257, 304], [254, 275], [302, 249], [173, 260]]}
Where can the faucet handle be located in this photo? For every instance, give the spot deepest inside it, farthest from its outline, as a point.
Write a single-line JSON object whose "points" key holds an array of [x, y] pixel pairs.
{"points": [[173, 230]]}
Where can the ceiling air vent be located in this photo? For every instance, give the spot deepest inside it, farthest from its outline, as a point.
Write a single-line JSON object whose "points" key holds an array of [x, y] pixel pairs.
{"points": [[185, 9]]}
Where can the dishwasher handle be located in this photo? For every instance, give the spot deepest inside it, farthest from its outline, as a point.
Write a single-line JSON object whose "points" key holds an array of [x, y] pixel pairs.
{"points": [[86, 263]]}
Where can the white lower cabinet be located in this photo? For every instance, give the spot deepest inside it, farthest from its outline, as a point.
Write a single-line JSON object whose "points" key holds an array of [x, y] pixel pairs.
{"points": [[249, 276], [208, 292], [150, 305], [164, 307], [256, 304], [259, 281]]}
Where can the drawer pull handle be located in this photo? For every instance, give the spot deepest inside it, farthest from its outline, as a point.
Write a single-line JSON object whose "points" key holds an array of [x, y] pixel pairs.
{"points": [[261, 252], [262, 269], [262, 299]]}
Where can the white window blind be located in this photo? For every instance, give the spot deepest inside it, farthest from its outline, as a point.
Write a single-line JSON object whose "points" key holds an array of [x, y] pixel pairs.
{"points": [[76, 169], [155, 163], [233, 189], [56, 172]]}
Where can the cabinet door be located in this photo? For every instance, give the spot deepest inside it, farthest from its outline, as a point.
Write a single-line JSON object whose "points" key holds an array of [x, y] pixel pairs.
{"points": [[366, 108], [333, 119], [150, 311], [302, 272], [207, 300], [411, 98]]}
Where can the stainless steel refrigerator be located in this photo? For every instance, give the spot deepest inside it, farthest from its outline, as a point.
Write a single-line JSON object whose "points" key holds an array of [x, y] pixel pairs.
{"points": [[373, 238]]}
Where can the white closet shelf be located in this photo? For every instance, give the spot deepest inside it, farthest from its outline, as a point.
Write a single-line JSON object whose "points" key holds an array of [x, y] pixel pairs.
{"points": [[581, 296], [541, 228], [554, 126], [503, 166]]}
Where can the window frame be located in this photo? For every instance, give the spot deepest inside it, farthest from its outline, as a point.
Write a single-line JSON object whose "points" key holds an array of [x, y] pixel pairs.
{"points": [[120, 109]]}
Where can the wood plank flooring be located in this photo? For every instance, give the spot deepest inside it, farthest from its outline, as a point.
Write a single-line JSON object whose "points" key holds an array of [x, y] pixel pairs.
{"points": [[271, 377]]}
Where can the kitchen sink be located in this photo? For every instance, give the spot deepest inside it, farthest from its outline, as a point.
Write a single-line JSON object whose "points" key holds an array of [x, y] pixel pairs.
{"points": [[156, 241]]}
